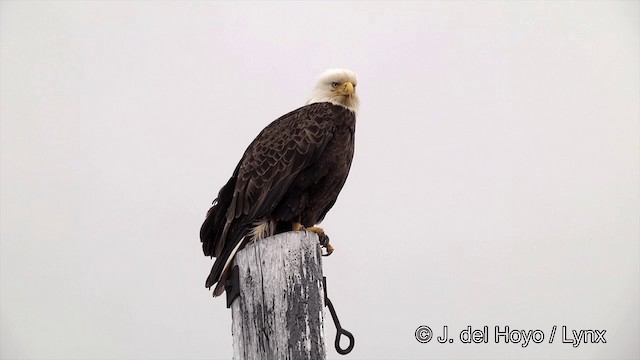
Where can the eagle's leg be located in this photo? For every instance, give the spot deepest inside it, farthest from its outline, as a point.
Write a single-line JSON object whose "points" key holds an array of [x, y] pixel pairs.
{"points": [[324, 239]]}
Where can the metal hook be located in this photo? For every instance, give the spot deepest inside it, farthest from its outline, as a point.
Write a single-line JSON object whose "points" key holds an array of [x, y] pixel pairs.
{"points": [[339, 330]]}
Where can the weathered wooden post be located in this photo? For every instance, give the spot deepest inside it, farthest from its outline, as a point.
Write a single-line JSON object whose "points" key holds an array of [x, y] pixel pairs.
{"points": [[279, 313]]}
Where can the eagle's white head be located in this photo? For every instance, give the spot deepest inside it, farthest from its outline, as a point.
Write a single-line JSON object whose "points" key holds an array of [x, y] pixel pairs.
{"points": [[337, 86]]}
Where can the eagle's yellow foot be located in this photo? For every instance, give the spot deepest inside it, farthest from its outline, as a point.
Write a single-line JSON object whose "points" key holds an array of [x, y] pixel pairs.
{"points": [[324, 239], [296, 226], [329, 248], [317, 230]]}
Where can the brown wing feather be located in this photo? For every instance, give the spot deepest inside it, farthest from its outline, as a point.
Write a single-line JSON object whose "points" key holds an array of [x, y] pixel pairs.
{"points": [[275, 157]]}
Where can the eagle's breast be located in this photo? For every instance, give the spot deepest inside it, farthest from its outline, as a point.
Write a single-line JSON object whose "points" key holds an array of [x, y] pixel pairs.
{"points": [[329, 173]]}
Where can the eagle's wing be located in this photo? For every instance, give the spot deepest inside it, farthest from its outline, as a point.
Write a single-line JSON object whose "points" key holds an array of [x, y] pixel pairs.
{"points": [[277, 155], [266, 171]]}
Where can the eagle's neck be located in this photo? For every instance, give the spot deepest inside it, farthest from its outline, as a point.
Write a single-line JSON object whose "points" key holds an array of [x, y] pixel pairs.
{"points": [[352, 103]]}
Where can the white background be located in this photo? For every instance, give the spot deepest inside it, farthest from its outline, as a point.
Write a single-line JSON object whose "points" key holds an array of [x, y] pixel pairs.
{"points": [[495, 182]]}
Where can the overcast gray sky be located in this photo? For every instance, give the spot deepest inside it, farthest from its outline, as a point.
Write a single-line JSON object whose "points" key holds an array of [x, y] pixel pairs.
{"points": [[495, 182]]}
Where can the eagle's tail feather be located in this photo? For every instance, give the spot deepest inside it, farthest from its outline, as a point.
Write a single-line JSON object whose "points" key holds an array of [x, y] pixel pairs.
{"points": [[219, 271], [212, 230], [239, 237]]}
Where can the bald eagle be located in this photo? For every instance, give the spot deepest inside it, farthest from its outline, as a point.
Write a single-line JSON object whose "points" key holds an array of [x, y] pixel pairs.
{"points": [[289, 176]]}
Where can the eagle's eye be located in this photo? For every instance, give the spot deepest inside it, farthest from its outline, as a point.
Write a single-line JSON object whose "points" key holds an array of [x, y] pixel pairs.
{"points": [[335, 84]]}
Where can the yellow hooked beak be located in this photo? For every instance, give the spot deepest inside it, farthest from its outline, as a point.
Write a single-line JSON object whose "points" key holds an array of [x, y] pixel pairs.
{"points": [[347, 89]]}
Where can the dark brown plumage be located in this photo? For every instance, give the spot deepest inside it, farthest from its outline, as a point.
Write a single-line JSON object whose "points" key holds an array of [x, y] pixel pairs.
{"points": [[292, 172]]}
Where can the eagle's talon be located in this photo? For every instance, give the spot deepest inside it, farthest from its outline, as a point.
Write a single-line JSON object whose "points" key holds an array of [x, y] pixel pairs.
{"points": [[324, 240], [322, 237], [317, 230], [296, 226], [329, 250]]}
